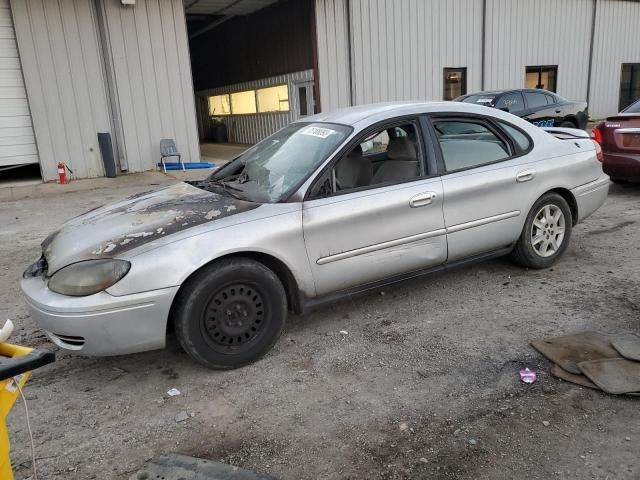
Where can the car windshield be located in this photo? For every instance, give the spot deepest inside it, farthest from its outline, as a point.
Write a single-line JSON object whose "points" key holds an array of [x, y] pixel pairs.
{"points": [[633, 108], [272, 169], [487, 100]]}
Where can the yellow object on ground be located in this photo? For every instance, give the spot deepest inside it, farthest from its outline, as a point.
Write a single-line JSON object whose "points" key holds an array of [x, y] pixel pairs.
{"points": [[15, 365]]}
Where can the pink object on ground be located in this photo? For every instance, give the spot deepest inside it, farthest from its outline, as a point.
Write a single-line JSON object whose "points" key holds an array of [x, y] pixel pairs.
{"points": [[528, 376]]}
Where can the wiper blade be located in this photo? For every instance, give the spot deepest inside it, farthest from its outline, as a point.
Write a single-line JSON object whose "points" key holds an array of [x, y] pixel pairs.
{"points": [[219, 183]]}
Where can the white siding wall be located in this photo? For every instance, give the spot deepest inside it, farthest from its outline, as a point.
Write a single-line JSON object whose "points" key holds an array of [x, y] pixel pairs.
{"points": [[60, 56], [252, 128], [525, 32], [333, 54], [17, 143], [150, 57], [399, 48], [617, 41], [66, 79]]}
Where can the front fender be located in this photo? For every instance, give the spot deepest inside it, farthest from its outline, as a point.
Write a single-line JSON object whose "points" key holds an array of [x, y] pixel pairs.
{"points": [[169, 265]]}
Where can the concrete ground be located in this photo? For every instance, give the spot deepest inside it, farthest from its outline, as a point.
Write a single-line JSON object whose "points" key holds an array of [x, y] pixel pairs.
{"points": [[423, 385]]}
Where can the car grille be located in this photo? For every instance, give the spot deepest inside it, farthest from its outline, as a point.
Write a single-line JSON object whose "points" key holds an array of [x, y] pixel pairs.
{"points": [[68, 341], [37, 268]]}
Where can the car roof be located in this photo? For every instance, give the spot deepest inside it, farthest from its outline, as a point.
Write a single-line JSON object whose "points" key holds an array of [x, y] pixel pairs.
{"points": [[362, 113], [499, 92]]}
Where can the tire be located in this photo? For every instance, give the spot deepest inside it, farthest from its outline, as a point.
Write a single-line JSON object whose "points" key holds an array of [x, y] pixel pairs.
{"points": [[534, 248], [230, 313], [568, 124], [619, 181]]}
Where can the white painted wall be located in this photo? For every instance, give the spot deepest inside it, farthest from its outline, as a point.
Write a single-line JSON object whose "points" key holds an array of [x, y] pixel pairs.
{"points": [[523, 33], [66, 78], [400, 47], [333, 54], [60, 56], [150, 56], [616, 41]]}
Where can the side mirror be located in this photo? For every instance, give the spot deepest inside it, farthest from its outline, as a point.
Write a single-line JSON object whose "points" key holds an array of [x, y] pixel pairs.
{"points": [[504, 109]]}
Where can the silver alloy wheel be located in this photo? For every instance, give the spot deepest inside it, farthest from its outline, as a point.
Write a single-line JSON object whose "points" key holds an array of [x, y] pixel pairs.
{"points": [[547, 231]]}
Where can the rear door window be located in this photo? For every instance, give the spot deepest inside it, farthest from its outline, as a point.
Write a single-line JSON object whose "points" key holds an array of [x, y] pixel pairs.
{"points": [[535, 99], [511, 102], [468, 143], [520, 140]]}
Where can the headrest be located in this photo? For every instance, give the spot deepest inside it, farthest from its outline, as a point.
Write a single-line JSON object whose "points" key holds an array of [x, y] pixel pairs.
{"points": [[401, 148]]}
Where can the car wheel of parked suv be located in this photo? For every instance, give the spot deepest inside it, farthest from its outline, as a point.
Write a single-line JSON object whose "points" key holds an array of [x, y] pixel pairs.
{"points": [[230, 313], [546, 233]]}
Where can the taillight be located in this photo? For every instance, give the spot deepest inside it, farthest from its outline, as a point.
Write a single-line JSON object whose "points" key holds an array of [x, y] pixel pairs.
{"points": [[597, 134], [599, 154]]}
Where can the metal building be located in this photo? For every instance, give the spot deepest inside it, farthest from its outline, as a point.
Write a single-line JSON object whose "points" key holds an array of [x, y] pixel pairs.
{"points": [[237, 70]]}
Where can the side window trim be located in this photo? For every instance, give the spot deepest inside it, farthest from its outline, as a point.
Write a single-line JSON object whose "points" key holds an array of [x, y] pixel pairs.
{"points": [[486, 121], [423, 161]]}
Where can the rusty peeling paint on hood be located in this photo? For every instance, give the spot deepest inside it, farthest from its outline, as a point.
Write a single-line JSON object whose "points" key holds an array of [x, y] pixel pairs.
{"points": [[108, 231]]}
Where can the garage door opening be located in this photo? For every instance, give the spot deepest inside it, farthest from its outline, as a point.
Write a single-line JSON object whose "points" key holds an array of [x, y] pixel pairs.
{"points": [[253, 70]]}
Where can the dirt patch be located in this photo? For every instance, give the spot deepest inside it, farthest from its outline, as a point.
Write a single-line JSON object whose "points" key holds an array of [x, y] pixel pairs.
{"points": [[424, 384]]}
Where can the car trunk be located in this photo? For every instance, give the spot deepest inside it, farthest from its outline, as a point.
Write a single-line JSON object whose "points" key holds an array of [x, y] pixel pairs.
{"points": [[621, 134]]}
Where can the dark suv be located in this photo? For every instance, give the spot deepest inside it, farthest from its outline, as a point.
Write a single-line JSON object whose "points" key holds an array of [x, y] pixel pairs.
{"points": [[540, 107]]}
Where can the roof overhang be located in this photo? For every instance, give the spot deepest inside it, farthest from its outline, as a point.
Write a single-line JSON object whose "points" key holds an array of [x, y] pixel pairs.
{"points": [[224, 7]]}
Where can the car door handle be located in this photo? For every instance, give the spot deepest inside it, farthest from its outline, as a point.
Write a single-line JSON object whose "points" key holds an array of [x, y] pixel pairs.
{"points": [[558, 111], [422, 199], [525, 176]]}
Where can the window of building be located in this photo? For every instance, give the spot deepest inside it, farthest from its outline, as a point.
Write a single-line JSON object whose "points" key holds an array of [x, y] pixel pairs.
{"points": [[535, 99], [273, 99], [511, 102], [302, 97], [243, 102], [219, 105], [629, 85], [542, 77], [455, 82], [467, 144]]}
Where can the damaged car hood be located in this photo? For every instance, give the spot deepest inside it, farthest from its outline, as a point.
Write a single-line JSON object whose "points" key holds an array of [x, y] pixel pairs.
{"points": [[108, 231]]}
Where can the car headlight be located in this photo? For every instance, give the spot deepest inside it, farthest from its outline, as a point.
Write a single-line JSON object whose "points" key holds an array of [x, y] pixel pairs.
{"points": [[88, 277]]}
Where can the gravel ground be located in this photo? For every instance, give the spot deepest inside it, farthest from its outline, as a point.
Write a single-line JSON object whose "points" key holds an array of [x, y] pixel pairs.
{"points": [[424, 385]]}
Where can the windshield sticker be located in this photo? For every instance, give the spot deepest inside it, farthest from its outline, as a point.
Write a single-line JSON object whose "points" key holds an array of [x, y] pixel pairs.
{"points": [[318, 132], [484, 100]]}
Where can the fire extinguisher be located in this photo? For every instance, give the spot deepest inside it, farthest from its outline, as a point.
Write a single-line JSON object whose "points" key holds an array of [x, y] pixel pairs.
{"points": [[62, 173]]}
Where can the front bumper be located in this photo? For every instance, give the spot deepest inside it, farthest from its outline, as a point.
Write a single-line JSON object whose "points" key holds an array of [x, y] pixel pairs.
{"points": [[100, 324], [591, 196]]}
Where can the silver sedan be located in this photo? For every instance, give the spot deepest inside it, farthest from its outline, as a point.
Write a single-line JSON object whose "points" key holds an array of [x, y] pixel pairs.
{"points": [[330, 206]]}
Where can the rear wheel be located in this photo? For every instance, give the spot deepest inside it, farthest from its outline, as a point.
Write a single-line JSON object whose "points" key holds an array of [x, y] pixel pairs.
{"points": [[568, 124], [230, 313], [546, 233]]}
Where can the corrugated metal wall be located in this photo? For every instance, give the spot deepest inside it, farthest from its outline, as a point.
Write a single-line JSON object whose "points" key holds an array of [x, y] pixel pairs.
{"points": [[17, 142], [523, 33], [333, 54], [252, 128], [60, 56], [66, 79], [150, 57], [399, 48], [617, 41]]}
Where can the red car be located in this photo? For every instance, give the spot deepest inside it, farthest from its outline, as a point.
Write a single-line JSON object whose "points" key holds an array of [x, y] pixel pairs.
{"points": [[619, 137]]}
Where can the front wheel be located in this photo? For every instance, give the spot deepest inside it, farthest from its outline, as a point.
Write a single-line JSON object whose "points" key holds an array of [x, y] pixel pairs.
{"points": [[230, 313], [546, 233]]}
